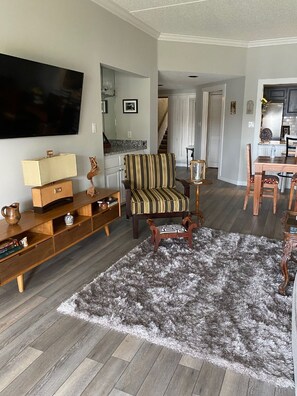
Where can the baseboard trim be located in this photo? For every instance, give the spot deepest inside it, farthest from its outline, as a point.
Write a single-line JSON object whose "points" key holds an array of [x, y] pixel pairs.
{"points": [[231, 181]]}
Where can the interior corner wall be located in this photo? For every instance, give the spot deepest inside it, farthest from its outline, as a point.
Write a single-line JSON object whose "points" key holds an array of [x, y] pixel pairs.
{"points": [[232, 130], [78, 35]]}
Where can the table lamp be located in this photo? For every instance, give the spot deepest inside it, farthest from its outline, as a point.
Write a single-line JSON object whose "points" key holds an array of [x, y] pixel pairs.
{"points": [[47, 175]]}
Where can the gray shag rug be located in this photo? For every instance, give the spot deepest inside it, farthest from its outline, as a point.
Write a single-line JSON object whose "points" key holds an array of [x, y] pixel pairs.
{"points": [[217, 302]]}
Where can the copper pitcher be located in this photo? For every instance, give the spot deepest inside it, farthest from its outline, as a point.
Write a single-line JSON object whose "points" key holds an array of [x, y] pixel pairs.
{"points": [[11, 213]]}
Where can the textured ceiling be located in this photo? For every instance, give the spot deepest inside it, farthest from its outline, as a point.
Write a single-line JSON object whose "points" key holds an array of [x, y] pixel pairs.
{"points": [[244, 23], [245, 20]]}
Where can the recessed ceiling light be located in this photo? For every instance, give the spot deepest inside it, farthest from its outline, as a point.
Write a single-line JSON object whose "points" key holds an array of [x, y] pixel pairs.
{"points": [[193, 76]]}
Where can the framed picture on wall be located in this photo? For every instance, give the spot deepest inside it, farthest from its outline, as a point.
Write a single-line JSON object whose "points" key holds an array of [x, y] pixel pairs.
{"points": [[233, 107], [130, 105]]}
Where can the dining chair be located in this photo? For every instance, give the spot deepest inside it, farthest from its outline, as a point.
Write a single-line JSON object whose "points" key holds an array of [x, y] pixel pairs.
{"points": [[291, 144], [269, 182]]}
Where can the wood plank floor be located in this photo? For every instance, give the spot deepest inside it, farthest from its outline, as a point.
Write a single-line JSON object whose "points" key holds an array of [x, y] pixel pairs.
{"points": [[45, 353]]}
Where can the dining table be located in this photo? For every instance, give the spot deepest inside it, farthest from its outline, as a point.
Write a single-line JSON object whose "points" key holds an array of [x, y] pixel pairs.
{"points": [[265, 164]]}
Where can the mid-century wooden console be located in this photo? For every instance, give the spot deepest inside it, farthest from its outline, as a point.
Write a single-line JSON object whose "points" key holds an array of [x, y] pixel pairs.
{"points": [[48, 234]]}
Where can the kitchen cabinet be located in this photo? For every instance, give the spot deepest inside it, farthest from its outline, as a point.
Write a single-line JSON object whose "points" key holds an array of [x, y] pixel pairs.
{"points": [[292, 101], [275, 93], [285, 94]]}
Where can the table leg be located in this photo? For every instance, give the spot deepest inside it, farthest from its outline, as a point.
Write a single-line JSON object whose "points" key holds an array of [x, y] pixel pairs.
{"points": [[20, 282], [197, 212], [257, 192], [187, 157]]}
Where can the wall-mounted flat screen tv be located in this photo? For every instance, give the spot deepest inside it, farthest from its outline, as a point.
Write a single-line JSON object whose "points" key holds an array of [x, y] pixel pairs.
{"points": [[38, 99]]}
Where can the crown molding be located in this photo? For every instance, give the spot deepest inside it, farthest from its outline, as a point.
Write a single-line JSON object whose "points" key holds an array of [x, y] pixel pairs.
{"points": [[126, 16], [202, 40], [226, 42], [268, 42]]}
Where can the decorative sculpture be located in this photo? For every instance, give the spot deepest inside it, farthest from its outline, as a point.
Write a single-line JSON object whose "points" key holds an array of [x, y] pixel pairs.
{"points": [[93, 172]]}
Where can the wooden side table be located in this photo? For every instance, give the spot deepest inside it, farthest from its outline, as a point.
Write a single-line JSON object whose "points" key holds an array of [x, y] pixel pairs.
{"points": [[290, 244], [172, 231], [198, 184]]}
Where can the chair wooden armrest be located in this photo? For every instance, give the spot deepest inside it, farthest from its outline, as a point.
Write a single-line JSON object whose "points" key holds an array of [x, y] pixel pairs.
{"points": [[127, 184], [186, 185]]}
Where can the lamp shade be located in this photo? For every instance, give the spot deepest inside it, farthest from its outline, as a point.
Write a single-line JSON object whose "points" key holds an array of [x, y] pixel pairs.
{"points": [[38, 172]]}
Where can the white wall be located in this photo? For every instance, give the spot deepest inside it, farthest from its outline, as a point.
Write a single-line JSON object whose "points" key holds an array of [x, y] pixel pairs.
{"points": [[132, 87], [79, 35], [175, 56]]}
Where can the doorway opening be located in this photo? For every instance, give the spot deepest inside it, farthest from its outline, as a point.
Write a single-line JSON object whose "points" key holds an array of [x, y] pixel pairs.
{"points": [[162, 125], [214, 129], [213, 114]]}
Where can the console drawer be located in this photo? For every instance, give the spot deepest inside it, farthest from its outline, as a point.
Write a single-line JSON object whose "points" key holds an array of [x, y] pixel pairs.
{"points": [[101, 219], [72, 235], [8, 268], [25, 260]]}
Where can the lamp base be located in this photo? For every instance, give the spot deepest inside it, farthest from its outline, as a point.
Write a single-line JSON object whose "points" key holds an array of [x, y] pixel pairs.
{"points": [[50, 195]]}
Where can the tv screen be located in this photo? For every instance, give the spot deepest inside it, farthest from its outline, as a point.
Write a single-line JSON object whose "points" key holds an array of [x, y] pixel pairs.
{"points": [[38, 99]]}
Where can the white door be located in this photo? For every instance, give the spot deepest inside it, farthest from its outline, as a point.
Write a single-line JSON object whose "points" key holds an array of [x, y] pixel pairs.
{"points": [[181, 125], [214, 129]]}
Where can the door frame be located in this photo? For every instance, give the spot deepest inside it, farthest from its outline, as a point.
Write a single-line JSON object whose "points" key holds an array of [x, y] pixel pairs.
{"points": [[205, 101]]}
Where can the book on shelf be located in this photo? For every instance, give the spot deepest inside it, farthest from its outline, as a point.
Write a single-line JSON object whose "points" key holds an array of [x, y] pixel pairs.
{"points": [[10, 251], [8, 245]]}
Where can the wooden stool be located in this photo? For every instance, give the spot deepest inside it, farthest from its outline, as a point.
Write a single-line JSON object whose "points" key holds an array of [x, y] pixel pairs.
{"points": [[172, 231]]}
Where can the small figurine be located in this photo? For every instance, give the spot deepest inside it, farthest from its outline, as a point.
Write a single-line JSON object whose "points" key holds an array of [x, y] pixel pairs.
{"points": [[93, 172]]}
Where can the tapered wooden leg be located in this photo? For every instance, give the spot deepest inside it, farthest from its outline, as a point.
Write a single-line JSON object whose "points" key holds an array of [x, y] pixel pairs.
{"points": [[291, 195], [20, 281], [247, 194], [275, 192], [257, 192], [106, 228]]}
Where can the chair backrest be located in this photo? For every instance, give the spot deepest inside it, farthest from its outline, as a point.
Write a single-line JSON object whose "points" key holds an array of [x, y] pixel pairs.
{"points": [[146, 171], [291, 144], [249, 160]]}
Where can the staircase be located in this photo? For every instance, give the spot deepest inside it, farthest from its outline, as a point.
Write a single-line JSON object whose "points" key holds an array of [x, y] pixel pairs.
{"points": [[163, 144]]}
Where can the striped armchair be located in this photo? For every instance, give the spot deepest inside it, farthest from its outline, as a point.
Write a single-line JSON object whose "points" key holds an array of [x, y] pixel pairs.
{"points": [[150, 188]]}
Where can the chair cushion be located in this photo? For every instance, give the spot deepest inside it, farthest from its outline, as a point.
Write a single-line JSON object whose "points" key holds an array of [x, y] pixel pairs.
{"points": [[268, 179], [150, 170], [158, 200]]}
